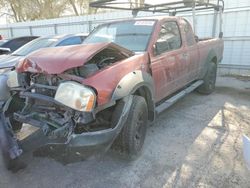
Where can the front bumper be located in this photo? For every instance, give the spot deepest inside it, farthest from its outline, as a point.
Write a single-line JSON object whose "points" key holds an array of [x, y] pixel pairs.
{"points": [[82, 146]]}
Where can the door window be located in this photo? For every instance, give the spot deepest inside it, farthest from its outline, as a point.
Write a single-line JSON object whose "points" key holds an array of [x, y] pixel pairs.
{"points": [[169, 38], [189, 33]]}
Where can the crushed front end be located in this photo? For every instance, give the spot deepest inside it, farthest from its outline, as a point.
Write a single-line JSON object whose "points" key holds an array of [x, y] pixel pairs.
{"points": [[66, 111], [67, 93]]}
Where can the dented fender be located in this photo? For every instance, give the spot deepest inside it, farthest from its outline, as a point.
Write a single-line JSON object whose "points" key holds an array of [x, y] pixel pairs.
{"points": [[107, 80], [131, 82]]}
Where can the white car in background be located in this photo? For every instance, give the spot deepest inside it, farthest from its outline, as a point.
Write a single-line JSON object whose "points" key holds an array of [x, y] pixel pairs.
{"points": [[7, 62]]}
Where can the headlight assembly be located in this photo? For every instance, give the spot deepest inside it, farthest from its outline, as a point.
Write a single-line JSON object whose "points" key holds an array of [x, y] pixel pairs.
{"points": [[76, 96], [12, 79]]}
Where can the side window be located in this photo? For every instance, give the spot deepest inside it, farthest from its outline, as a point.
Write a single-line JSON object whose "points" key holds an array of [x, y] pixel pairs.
{"points": [[9, 44], [70, 41], [189, 33], [169, 38], [15, 43]]}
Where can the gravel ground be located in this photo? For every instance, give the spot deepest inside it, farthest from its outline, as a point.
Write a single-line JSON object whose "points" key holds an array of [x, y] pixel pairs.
{"points": [[195, 143]]}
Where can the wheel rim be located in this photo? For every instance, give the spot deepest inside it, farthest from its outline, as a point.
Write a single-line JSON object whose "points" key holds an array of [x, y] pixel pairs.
{"points": [[212, 79], [140, 131]]}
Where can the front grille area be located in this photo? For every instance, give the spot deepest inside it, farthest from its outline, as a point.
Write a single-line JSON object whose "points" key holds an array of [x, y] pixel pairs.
{"points": [[45, 84]]}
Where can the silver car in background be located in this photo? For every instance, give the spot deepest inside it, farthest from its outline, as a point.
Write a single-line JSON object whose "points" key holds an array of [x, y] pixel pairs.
{"points": [[7, 62]]}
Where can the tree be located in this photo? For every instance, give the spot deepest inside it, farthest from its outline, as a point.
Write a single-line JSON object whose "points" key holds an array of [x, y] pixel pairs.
{"points": [[25, 10], [81, 7], [34, 9], [136, 3]]}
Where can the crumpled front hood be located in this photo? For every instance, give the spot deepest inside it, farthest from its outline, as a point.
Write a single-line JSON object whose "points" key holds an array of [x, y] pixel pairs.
{"points": [[59, 59]]}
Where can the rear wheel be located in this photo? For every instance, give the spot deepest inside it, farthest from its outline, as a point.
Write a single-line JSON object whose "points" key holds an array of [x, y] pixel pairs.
{"points": [[209, 80], [131, 139]]}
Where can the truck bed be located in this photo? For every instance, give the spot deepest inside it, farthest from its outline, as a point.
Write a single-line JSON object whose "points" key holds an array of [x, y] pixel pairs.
{"points": [[205, 45]]}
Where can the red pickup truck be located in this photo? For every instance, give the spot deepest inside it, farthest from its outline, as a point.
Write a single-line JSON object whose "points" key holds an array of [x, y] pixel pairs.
{"points": [[87, 98]]}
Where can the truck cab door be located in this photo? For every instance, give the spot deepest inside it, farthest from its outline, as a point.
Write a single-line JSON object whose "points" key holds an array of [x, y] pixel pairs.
{"points": [[193, 52], [169, 60]]}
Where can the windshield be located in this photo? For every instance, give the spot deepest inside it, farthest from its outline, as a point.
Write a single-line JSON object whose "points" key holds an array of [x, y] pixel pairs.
{"points": [[34, 45], [133, 35]]}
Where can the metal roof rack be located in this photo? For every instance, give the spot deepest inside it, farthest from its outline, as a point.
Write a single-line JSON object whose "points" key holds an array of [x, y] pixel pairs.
{"points": [[172, 7]]}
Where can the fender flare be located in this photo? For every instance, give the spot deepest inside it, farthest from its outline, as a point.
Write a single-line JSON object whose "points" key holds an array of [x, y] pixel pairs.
{"points": [[209, 58], [131, 82]]}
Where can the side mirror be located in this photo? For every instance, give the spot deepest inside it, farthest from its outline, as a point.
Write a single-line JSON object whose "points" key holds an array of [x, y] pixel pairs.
{"points": [[156, 51], [4, 51], [196, 38], [160, 47]]}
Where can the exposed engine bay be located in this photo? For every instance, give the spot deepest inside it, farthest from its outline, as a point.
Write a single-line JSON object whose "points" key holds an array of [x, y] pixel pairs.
{"points": [[101, 60]]}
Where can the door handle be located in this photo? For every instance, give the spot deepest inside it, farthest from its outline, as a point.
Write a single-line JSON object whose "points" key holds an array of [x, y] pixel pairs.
{"points": [[185, 55]]}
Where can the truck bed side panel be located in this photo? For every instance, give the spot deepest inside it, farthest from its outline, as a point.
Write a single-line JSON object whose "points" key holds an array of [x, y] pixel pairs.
{"points": [[207, 47]]}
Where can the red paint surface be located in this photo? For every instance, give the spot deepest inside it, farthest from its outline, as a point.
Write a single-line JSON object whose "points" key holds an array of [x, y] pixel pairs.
{"points": [[59, 59]]}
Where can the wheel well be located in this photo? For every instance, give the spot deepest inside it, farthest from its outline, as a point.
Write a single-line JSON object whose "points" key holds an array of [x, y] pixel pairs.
{"points": [[144, 92]]}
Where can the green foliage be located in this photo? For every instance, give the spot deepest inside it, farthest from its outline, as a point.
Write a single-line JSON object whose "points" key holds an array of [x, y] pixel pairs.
{"points": [[26, 10]]}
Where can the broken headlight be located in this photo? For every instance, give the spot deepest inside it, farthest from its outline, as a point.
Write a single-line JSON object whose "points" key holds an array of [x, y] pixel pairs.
{"points": [[76, 96]]}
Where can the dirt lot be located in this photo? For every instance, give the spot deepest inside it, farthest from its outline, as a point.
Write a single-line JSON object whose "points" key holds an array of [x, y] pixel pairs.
{"points": [[196, 143]]}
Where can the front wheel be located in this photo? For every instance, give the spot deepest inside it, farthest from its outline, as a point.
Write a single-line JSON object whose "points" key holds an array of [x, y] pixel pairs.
{"points": [[16, 104], [209, 80], [131, 139]]}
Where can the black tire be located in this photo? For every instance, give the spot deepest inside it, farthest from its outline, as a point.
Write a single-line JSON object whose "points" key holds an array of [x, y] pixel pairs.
{"points": [[131, 139], [209, 80]]}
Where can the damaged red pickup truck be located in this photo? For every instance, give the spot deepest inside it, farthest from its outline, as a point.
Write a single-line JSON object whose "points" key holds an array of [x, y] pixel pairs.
{"points": [[87, 98]]}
